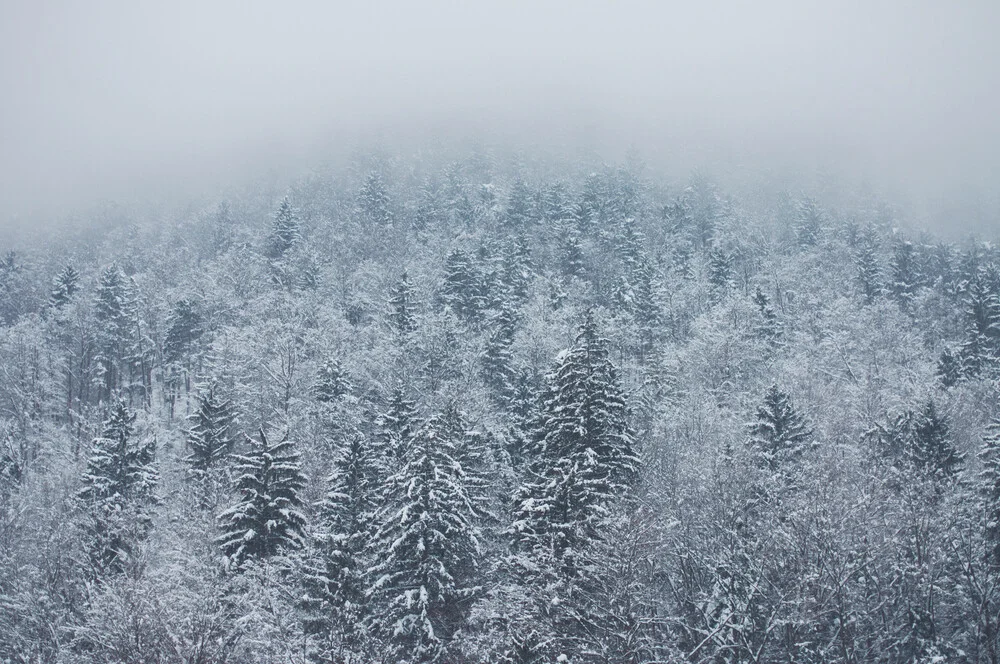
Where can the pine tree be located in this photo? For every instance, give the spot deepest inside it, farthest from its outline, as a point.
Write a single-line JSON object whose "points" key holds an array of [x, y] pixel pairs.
{"points": [[266, 520], [516, 270], [184, 330], [426, 551], [949, 368], [778, 434], [571, 258], [373, 201], [403, 315], [285, 232], [118, 491], [211, 436], [64, 287]]}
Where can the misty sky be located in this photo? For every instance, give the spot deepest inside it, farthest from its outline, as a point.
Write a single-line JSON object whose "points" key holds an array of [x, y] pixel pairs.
{"points": [[105, 100]]}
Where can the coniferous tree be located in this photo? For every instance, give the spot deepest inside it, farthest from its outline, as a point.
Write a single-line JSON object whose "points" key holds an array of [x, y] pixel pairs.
{"points": [[497, 360], [396, 427], [580, 460], [461, 288], [338, 582], [184, 330], [981, 349], [425, 550], [519, 208], [932, 450], [867, 267], [118, 492], [115, 311], [720, 273], [331, 382], [285, 232], [904, 274], [571, 259], [778, 434], [64, 287], [212, 437], [808, 222], [989, 492], [373, 201], [267, 519], [949, 368], [770, 328], [403, 315]]}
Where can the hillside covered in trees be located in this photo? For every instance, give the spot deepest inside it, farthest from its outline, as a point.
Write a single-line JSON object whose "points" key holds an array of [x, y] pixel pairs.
{"points": [[487, 408]]}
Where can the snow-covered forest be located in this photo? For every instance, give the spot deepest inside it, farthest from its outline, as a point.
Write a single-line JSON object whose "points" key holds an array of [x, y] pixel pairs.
{"points": [[483, 407]]}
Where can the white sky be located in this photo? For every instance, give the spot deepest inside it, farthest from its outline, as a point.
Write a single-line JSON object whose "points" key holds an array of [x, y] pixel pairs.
{"points": [[105, 99]]}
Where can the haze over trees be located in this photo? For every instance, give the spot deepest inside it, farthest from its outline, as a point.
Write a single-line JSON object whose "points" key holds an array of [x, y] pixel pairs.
{"points": [[481, 407]]}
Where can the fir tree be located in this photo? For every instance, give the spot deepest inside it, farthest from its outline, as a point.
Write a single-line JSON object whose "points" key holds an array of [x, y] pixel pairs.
{"points": [[117, 492], [285, 232], [64, 287], [426, 551], [373, 201], [266, 520], [949, 368], [778, 434], [403, 315]]}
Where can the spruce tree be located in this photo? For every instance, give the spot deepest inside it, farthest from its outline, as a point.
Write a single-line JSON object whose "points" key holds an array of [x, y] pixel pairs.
{"points": [[211, 436], [403, 307], [580, 461], [115, 311], [497, 362], [64, 287], [118, 492], [396, 427], [461, 288], [519, 208], [778, 435], [426, 551], [338, 581], [267, 519], [285, 231]]}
